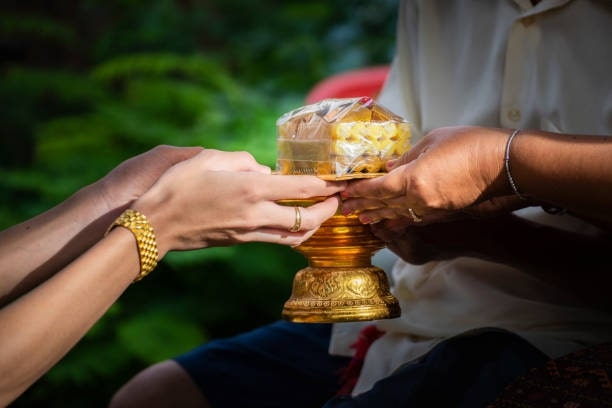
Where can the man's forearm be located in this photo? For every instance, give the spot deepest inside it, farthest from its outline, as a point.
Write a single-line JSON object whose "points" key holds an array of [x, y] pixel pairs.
{"points": [[571, 261], [570, 171]]}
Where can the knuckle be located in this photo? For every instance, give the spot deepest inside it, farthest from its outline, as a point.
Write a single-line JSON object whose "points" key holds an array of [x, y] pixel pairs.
{"points": [[244, 155], [421, 191], [249, 192]]}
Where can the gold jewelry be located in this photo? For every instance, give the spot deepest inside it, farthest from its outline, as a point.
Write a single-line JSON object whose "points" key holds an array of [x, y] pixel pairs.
{"points": [[414, 216], [138, 224], [298, 220]]}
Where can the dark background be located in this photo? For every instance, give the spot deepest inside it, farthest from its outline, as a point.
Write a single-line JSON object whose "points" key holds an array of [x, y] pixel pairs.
{"points": [[86, 84]]}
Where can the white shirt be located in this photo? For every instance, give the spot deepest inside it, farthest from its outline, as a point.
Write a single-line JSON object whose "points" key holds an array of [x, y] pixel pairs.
{"points": [[498, 63]]}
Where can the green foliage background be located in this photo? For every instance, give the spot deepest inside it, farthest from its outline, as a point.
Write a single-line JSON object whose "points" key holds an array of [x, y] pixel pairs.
{"points": [[86, 84]]}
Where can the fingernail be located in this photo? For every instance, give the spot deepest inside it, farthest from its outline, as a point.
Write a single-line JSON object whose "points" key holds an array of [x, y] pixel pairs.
{"points": [[391, 164], [344, 194], [370, 220], [346, 211]]}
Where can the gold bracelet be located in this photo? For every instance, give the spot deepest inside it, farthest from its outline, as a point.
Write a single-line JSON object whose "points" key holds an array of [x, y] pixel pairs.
{"points": [[138, 224]]}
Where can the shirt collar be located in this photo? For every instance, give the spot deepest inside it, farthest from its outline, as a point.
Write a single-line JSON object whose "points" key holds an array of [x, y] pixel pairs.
{"points": [[528, 9]]}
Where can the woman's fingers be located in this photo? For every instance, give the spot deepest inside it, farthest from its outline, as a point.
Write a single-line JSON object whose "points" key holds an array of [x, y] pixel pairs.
{"points": [[217, 160], [283, 187], [301, 218], [291, 225], [317, 213]]}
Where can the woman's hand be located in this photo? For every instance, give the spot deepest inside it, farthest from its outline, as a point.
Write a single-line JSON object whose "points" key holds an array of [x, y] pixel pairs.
{"points": [[451, 172], [130, 179], [219, 198]]}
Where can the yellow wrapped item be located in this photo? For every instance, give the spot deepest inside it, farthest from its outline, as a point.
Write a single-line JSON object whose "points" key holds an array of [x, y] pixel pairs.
{"points": [[340, 138]]}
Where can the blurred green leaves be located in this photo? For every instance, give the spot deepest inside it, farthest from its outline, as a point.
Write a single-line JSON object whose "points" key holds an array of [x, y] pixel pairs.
{"points": [[123, 107], [85, 84], [154, 337]]}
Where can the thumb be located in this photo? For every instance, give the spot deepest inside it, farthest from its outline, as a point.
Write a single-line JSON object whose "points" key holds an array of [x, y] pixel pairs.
{"points": [[411, 155]]}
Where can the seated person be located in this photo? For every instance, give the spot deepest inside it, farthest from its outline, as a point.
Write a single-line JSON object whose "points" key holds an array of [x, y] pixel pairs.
{"points": [[481, 298]]}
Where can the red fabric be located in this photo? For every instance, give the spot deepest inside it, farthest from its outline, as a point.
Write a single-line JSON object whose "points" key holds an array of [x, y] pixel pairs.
{"points": [[350, 374], [350, 84]]}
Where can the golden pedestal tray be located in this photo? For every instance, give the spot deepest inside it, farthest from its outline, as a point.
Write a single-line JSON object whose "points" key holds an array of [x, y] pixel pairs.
{"points": [[340, 284], [340, 139]]}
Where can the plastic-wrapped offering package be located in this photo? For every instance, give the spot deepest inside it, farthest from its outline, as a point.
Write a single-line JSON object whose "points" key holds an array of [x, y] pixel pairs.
{"points": [[340, 138]]}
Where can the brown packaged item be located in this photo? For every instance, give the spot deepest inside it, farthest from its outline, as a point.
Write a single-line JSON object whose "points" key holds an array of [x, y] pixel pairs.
{"points": [[340, 138]]}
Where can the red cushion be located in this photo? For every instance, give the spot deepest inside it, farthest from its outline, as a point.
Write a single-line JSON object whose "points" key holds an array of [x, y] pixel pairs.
{"points": [[360, 82]]}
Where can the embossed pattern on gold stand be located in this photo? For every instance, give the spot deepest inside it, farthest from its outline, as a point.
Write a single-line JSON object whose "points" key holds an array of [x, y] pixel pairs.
{"points": [[340, 284]]}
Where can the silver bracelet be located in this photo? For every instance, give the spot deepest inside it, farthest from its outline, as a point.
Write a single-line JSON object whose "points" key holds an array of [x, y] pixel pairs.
{"points": [[507, 164]]}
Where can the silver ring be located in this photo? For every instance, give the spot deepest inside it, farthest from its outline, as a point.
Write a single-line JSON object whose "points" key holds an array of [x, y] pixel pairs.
{"points": [[415, 217], [298, 220]]}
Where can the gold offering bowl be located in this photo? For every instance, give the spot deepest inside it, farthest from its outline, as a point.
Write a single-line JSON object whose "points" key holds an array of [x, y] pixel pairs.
{"points": [[340, 284]]}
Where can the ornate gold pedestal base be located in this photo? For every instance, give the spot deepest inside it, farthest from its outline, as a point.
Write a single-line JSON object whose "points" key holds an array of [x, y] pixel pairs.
{"points": [[340, 284], [340, 295]]}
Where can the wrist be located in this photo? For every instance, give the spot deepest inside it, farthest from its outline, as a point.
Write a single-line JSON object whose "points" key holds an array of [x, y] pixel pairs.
{"points": [[493, 162], [104, 192], [153, 209], [88, 209], [508, 167], [144, 234]]}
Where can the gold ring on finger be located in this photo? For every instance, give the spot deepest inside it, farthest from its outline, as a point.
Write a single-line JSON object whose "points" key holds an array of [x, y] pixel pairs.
{"points": [[414, 216], [298, 220]]}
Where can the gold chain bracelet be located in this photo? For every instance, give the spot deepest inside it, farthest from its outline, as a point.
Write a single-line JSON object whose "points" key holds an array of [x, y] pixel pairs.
{"points": [[138, 224]]}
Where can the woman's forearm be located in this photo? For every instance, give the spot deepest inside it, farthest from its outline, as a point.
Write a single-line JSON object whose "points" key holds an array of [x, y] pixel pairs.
{"points": [[35, 249], [40, 327]]}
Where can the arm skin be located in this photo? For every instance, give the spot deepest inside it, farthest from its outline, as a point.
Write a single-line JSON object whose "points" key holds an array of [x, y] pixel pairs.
{"points": [[455, 180], [59, 275], [459, 170], [568, 171], [547, 253], [37, 248]]}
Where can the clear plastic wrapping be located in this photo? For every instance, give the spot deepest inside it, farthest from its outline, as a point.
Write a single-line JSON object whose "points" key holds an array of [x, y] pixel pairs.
{"points": [[340, 138]]}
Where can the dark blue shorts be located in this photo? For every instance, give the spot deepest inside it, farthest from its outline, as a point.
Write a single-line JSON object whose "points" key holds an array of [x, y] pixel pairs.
{"points": [[279, 365], [466, 371], [287, 365]]}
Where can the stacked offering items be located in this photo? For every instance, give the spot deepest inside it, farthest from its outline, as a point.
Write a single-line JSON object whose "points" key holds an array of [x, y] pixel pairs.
{"points": [[340, 138]]}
